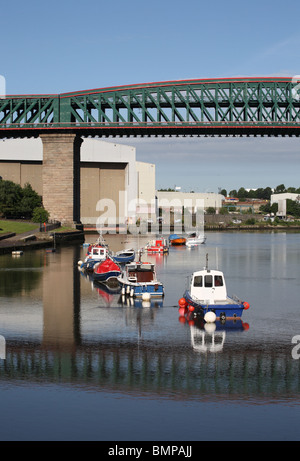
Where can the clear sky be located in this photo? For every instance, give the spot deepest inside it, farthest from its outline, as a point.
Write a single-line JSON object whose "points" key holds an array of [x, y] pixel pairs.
{"points": [[61, 46]]}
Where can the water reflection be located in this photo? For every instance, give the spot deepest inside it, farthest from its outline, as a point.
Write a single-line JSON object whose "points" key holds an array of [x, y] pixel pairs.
{"points": [[210, 337], [89, 336]]}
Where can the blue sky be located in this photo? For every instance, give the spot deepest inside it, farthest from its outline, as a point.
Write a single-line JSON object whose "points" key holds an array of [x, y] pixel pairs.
{"points": [[70, 45]]}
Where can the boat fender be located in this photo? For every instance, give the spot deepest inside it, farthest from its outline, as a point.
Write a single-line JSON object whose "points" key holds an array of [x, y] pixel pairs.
{"points": [[146, 296], [246, 305], [182, 302], [191, 308], [210, 317]]}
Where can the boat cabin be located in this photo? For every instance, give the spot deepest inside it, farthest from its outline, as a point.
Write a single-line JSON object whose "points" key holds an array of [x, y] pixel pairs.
{"points": [[98, 253], [140, 273], [208, 286]]}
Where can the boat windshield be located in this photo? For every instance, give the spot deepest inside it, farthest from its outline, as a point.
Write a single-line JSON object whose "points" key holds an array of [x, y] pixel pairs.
{"points": [[208, 281]]}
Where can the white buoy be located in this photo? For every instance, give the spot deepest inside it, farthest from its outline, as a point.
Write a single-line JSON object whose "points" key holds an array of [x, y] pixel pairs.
{"points": [[123, 291], [79, 263], [210, 317], [146, 296], [131, 292], [210, 328], [146, 303]]}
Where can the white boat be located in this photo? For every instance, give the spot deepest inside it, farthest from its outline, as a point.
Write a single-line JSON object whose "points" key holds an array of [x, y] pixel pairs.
{"points": [[199, 239], [207, 292], [138, 279], [98, 253]]}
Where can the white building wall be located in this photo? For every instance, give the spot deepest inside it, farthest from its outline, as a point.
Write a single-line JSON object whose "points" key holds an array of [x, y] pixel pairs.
{"points": [[286, 195], [146, 188], [210, 199], [94, 150]]}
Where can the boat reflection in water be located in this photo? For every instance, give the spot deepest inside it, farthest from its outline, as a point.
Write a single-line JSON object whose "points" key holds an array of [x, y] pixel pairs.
{"points": [[210, 337]]}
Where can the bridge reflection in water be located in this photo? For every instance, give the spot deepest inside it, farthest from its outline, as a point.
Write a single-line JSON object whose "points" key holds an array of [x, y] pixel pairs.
{"points": [[121, 348]]}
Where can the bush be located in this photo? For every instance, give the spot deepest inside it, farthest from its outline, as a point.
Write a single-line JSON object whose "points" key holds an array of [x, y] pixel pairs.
{"points": [[250, 221], [40, 215]]}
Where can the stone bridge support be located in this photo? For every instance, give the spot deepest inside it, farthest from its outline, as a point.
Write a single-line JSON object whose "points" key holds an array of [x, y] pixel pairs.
{"points": [[61, 177]]}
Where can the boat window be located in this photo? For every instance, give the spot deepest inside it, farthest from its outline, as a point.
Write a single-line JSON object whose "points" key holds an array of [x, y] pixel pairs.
{"points": [[198, 281], [218, 281], [208, 281]]}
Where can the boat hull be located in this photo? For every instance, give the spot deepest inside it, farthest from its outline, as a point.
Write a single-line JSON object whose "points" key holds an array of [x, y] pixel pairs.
{"points": [[159, 250], [155, 290], [195, 242], [123, 259], [104, 277], [231, 309], [179, 241]]}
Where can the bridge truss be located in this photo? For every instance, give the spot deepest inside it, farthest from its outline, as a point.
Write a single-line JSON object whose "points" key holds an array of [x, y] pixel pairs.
{"points": [[239, 106]]}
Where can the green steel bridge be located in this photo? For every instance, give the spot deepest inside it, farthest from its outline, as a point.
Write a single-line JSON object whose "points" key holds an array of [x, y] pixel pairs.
{"points": [[231, 106]]}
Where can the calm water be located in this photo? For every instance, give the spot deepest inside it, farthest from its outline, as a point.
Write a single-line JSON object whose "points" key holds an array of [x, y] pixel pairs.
{"points": [[81, 365]]}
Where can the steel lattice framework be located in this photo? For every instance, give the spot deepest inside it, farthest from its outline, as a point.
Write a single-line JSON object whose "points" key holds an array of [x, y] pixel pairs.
{"points": [[239, 106]]}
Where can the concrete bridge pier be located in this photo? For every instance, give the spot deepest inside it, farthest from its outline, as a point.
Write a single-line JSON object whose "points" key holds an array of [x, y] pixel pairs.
{"points": [[61, 177]]}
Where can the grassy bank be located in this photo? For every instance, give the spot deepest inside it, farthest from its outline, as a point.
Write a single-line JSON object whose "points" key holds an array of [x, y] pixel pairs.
{"points": [[18, 227]]}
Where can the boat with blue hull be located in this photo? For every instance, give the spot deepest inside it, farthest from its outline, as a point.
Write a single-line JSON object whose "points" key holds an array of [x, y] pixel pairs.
{"points": [[124, 256], [207, 293], [138, 279]]}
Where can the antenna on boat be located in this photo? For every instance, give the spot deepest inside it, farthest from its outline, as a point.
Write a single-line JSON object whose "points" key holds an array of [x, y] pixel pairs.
{"points": [[206, 261]]}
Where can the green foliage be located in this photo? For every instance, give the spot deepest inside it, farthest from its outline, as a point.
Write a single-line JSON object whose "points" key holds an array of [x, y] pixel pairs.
{"points": [[269, 208], [293, 208], [40, 215], [223, 211], [211, 210], [17, 202], [250, 221]]}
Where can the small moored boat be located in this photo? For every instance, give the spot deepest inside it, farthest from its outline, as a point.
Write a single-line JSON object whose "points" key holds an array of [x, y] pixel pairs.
{"points": [[158, 245], [175, 239], [208, 293], [139, 280], [106, 270], [97, 254], [199, 239], [124, 256]]}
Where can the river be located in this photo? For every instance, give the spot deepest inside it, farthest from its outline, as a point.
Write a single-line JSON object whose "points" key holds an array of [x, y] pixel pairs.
{"points": [[77, 363]]}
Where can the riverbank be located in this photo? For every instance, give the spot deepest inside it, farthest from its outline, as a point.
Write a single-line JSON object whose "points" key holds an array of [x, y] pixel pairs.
{"points": [[36, 240]]}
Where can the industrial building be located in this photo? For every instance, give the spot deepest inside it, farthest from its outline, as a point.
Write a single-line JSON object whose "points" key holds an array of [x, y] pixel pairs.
{"points": [[113, 185]]}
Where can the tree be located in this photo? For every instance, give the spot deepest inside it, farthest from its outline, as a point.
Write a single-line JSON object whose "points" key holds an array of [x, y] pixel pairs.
{"points": [[293, 208], [242, 193], [279, 189], [29, 201], [40, 215], [10, 199], [17, 202], [211, 210]]}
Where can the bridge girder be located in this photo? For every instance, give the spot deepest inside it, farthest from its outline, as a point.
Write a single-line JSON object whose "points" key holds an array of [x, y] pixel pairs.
{"points": [[256, 106]]}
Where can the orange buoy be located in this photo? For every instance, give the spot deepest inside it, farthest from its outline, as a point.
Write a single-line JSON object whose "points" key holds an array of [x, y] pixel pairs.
{"points": [[191, 308], [246, 305], [182, 302], [246, 326]]}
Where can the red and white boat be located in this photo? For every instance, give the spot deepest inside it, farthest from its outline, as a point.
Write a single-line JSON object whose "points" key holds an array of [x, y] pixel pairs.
{"points": [[158, 245]]}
